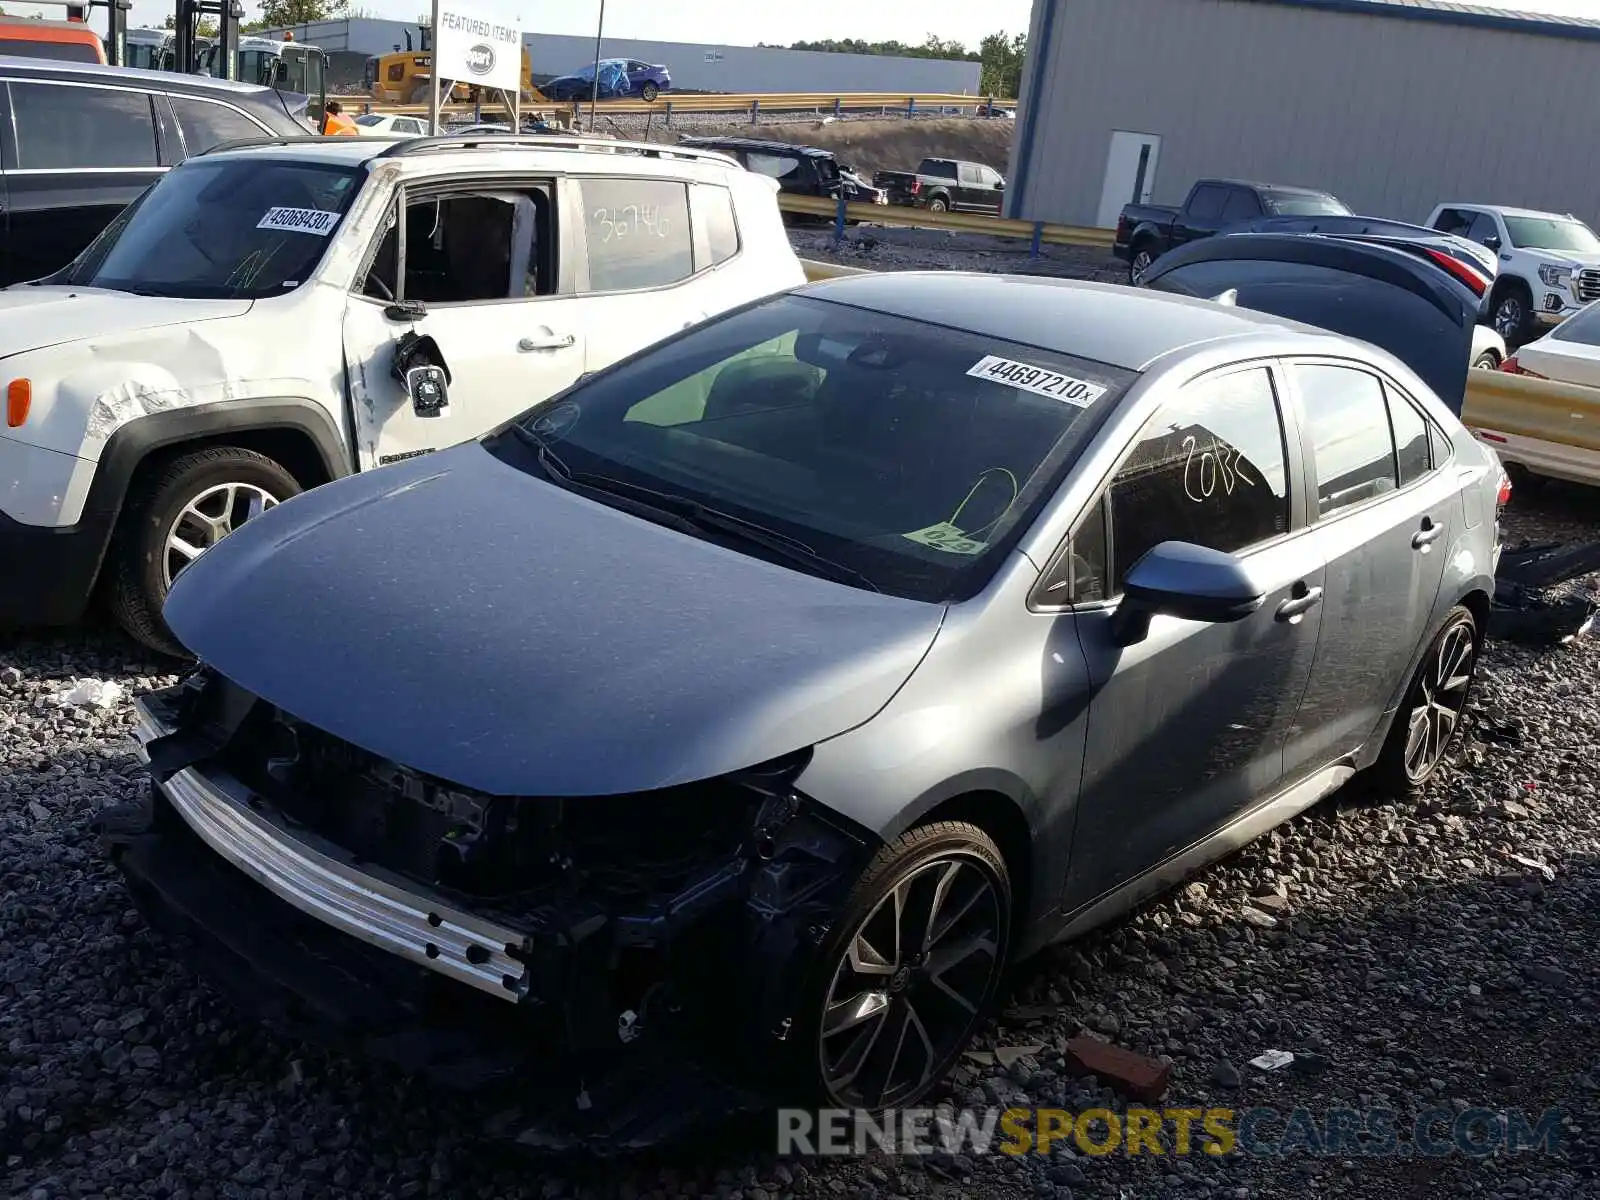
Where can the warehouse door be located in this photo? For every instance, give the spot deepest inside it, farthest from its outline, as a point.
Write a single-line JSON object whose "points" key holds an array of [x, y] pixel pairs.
{"points": [[1130, 174]]}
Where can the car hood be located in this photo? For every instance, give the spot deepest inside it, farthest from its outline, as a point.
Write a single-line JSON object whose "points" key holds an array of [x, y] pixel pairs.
{"points": [[475, 622], [1563, 258], [32, 318]]}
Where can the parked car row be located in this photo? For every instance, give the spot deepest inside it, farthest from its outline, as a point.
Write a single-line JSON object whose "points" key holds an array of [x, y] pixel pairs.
{"points": [[975, 609]]}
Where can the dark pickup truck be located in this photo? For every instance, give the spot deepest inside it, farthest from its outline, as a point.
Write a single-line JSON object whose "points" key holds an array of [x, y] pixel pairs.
{"points": [[945, 184], [1147, 231]]}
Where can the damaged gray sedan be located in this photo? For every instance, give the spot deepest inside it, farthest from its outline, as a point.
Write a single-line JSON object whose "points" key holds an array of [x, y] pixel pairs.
{"points": [[718, 730]]}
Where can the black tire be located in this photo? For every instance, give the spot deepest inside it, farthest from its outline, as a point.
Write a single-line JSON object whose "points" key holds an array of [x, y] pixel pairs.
{"points": [[1139, 260], [137, 583], [938, 204], [649, 91], [1512, 314], [1487, 361], [1394, 773], [915, 860], [420, 93]]}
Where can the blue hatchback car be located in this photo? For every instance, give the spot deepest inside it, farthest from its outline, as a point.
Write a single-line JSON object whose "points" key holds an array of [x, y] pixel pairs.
{"points": [[619, 78], [749, 706]]}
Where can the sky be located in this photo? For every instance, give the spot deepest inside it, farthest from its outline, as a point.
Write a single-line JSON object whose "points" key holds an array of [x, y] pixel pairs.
{"points": [[743, 22]]}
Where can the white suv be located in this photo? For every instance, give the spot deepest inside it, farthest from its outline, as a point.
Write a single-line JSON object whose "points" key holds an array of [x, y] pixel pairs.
{"points": [[1549, 263], [274, 315]]}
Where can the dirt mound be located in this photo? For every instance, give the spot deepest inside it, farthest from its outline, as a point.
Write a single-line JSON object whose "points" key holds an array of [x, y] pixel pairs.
{"points": [[890, 144]]}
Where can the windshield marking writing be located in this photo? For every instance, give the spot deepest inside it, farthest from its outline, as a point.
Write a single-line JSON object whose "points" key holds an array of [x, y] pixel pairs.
{"points": [[1029, 378], [630, 220], [1204, 470], [945, 536], [300, 220]]}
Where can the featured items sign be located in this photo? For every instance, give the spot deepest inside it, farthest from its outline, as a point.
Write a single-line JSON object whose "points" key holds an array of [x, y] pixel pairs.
{"points": [[473, 48]]}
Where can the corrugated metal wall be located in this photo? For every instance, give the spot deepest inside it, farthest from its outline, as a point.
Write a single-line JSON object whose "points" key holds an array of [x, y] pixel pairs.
{"points": [[700, 67], [1393, 115]]}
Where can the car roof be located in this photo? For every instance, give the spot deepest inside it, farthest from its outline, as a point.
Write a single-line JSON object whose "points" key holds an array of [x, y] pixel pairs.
{"points": [[1287, 189], [1111, 323], [1505, 211], [538, 147], [169, 81], [744, 143]]}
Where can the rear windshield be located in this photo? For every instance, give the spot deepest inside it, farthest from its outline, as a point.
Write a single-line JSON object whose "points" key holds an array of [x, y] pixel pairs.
{"points": [[913, 454], [1552, 233], [1582, 328], [370, 119], [1304, 204], [74, 51], [242, 227]]}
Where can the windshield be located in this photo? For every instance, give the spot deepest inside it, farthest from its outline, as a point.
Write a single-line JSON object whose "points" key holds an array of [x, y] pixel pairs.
{"points": [[144, 54], [1552, 233], [370, 119], [70, 51], [245, 227], [1304, 204], [911, 455]]}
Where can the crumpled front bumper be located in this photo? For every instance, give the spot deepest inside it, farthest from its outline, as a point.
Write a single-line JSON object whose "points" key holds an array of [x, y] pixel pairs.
{"points": [[353, 958]]}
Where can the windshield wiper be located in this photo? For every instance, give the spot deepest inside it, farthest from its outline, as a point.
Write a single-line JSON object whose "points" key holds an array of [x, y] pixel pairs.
{"points": [[690, 516]]}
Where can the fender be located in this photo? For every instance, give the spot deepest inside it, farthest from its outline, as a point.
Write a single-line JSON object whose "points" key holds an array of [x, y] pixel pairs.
{"points": [[133, 442]]}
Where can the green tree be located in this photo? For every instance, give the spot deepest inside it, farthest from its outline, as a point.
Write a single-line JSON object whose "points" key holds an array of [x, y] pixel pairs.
{"points": [[275, 13], [1002, 56], [207, 27]]}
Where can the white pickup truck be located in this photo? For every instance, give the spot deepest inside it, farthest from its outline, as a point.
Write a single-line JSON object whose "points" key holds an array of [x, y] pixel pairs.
{"points": [[272, 316], [1549, 263]]}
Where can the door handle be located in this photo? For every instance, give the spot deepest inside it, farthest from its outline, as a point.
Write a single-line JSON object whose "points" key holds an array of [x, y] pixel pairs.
{"points": [[1301, 601], [1427, 535], [547, 341]]}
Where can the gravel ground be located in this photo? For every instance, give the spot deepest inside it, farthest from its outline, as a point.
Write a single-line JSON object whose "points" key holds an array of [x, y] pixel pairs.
{"points": [[1412, 956]]}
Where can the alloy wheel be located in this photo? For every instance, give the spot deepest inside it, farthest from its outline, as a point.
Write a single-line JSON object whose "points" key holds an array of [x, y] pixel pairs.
{"points": [[911, 983], [1141, 264], [1441, 695], [207, 519], [1508, 316]]}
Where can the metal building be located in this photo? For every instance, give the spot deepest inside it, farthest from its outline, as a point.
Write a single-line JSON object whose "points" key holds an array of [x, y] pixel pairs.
{"points": [[695, 67], [1393, 105]]}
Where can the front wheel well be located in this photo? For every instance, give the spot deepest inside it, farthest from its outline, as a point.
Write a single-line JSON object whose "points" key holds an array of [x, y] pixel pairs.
{"points": [[1511, 283], [293, 449], [998, 816]]}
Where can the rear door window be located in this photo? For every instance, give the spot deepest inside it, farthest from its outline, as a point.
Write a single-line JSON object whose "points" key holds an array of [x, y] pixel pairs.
{"points": [[1207, 203], [1411, 438], [1241, 206], [206, 124], [638, 233], [62, 127], [1348, 426]]}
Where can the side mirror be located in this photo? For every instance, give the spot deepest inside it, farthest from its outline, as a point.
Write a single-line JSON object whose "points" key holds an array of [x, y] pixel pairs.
{"points": [[429, 390], [1492, 241], [1000, 186], [1192, 583]]}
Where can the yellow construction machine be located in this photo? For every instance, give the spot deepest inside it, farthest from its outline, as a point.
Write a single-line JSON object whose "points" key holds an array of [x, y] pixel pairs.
{"points": [[404, 77]]}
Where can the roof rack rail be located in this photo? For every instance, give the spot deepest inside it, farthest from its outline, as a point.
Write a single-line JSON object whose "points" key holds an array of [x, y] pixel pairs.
{"points": [[289, 140], [546, 141]]}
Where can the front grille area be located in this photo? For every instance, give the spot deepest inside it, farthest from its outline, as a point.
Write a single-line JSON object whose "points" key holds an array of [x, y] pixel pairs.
{"points": [[1587, 285]]}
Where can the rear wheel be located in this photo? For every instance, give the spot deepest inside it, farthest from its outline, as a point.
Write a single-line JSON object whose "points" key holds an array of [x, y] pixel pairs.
{"points": [[1487, 361], [1430, 717], [913, 969], [175, 516], [421, 93], [938, 204], [1139, 263]]}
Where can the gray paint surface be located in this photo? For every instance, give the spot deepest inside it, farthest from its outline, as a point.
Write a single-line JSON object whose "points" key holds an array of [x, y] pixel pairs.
{"points": [[1392, 113], [709, 68]]}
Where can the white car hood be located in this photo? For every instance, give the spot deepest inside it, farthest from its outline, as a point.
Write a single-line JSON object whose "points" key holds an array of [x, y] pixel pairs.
{"points": [[33, 318], [1562, 258]]}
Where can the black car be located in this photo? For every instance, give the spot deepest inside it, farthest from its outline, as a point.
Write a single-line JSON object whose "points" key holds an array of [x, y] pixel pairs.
{"points": [[79, 142], [1415, 304], [799, 170]]}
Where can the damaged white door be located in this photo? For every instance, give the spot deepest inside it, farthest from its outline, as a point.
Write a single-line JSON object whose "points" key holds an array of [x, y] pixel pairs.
{"points": [[474, 262]]}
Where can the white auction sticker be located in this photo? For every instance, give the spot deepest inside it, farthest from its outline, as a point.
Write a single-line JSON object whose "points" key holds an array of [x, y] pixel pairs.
{"points": [[300, 220], [1036, 379]]}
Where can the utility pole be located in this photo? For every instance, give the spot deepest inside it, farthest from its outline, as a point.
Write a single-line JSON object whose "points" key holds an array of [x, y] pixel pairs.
{"points": [[594, 92]]}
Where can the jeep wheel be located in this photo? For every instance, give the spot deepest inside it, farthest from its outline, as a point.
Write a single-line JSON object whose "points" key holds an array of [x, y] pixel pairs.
{"points": [[911, 972], [175, 516]]}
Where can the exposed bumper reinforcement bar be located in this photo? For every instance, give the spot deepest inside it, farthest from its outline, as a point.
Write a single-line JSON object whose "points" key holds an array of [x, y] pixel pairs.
{"points": [[382, 913]]}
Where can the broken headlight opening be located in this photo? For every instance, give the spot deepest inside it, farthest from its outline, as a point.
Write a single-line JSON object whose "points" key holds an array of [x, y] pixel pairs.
{"points": [[687, 917]]}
